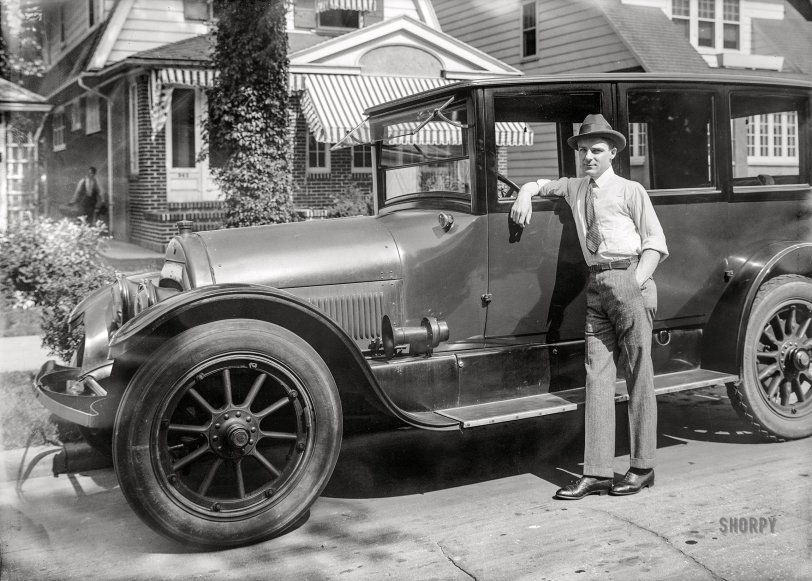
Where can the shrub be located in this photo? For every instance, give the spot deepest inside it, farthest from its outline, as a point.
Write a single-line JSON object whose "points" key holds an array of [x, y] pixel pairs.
{"points": [[52, 265], [353, 202]]}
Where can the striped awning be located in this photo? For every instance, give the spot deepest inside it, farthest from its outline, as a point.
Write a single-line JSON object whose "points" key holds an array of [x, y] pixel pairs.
{"points": [[161, 83], [334, 105], [359, 5]]}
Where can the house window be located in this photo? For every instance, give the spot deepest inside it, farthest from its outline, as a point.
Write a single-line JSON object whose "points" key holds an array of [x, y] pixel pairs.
{"points": [[91, 13], [712, 23], [58, 126], [92, 124], [76, 115], [339, 19], [730, 24], [318, 156], [637, 143], [773, 136], [768, 127], [361, 159], [183, 128], [529, 44], [133, 127]]}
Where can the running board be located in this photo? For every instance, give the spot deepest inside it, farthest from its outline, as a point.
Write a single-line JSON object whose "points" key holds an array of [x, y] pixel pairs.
{"points": [[565, 401]]}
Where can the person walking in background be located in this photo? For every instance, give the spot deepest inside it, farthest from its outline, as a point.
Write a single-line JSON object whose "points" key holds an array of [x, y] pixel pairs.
{"points": [[88, 196], [622, 242]]}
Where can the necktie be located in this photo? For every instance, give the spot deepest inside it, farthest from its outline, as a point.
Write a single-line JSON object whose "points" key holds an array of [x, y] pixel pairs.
{"points": [[593, 237]]}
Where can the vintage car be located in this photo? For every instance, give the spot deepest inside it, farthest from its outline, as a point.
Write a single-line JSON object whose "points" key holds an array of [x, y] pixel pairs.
{"points": [[222, 383]]}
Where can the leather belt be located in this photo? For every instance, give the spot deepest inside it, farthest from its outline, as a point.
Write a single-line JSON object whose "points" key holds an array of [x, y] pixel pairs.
{"points": [[614, 265]]}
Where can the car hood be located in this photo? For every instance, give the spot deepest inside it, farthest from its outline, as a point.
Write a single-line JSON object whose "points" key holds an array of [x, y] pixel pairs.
{"points": [[323, 252]]}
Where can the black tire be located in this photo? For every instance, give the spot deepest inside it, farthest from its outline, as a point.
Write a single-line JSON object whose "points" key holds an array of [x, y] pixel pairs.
{"points": [[228, 434], [775, 394]]}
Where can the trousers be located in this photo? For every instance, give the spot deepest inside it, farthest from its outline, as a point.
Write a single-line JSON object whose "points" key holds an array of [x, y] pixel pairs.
{"points": [[619, 322]]}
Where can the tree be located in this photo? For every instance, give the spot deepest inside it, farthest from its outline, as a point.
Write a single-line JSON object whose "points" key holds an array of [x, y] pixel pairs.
{"points": [[247, 126], [21, 42]]}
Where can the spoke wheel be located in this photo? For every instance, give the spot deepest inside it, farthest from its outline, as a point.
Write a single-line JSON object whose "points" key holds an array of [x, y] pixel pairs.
{"points": [[776, 390], [230, 436]]}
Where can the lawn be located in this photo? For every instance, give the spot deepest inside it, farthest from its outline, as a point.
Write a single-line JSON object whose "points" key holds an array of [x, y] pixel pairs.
{"points": [[22, 417], [18, 322]]}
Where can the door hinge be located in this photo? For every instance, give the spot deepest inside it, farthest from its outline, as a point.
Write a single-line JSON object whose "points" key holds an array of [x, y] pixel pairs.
{"points": [[486, 299]]}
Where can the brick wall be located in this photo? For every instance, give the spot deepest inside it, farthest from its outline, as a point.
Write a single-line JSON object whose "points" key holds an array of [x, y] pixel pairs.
{"points": [[152, 219], [314, 192]]}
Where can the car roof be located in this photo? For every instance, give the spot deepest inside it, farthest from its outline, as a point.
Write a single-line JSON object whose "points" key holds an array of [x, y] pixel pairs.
{"points": [[727, 79]]}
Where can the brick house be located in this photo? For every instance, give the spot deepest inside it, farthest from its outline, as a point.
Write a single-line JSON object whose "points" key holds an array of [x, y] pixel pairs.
{"points": [[127, 80]]}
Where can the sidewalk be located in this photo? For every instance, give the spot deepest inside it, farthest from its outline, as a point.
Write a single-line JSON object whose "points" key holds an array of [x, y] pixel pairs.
{"points": [[22, 353], [130, 258]]}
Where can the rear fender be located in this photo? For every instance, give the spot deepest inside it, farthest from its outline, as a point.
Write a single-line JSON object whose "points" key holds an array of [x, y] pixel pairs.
{"points": [[723, 339], [137, 340]]}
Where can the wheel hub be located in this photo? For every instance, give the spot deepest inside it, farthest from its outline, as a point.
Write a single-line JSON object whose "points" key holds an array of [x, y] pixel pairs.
{"points": [[232, 434], [794, 358]]}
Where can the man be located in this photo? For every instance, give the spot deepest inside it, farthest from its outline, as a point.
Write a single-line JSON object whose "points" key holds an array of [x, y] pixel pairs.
{"points": [[622, 242], [88, 195]]}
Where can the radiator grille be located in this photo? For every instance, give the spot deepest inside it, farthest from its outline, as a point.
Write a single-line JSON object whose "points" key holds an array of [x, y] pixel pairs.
{"points": [[358, 314]]}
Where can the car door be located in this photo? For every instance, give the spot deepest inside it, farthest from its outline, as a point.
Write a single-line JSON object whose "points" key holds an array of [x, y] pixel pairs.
{"points": [[537, 274]]}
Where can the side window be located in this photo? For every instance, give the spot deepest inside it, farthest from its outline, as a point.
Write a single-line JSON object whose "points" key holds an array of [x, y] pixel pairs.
{"points": [[532, 132], [670, 139], [766, 138], [318, 156]]}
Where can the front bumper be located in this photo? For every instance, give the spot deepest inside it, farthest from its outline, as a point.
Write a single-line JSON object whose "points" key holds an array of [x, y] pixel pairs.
{"points": [[76, 397]]}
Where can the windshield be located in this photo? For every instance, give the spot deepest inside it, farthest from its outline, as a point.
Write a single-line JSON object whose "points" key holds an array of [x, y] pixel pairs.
{"points": [[424, 151]]}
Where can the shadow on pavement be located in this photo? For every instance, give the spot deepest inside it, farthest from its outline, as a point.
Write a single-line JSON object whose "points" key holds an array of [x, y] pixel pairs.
{"points": [[410, 461]]}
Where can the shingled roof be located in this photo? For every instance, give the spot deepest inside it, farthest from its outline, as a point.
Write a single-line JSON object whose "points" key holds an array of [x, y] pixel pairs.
{"points": [[196, 50], [790, 38], [657, 44]]}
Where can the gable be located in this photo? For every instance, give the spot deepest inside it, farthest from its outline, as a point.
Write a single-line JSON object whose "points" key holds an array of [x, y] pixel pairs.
{"points": [[382, 49]]}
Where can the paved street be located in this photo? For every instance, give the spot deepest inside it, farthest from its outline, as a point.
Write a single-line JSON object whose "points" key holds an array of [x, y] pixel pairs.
{"points": [[414, 505]]}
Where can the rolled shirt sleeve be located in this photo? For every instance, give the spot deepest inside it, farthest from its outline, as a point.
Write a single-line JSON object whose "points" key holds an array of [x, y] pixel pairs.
{"points": [[648, 225]]}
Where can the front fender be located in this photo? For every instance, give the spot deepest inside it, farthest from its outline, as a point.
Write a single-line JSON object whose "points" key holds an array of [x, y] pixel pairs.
{"points": [[138, 339], [724, 335]]}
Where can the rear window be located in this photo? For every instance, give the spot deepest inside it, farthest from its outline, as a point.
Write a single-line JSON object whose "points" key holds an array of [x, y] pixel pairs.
{"points": [[766, 139]]}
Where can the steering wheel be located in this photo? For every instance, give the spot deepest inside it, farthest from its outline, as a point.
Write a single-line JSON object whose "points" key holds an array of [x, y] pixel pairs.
{"points": [[507, 188]]}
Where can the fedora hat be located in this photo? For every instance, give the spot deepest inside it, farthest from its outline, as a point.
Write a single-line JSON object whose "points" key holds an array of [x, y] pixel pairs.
{"points": [[596, 126]]}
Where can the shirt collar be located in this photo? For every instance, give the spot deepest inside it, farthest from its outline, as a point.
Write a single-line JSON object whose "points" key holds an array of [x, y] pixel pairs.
{"points": [[606, 177]]}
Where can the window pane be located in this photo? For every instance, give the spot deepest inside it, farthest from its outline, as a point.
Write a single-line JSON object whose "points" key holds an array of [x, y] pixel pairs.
{"points": [[681, 8], [195, 9], [707, 9], [673, 122], [731, 36], [731, 10], [706, 34], [183, 128], [550, 118], [765, 138], [529, 16], [529, 43]]}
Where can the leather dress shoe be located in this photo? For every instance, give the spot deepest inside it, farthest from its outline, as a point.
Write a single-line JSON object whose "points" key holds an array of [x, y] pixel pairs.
{"points": [[584, 486], [633, 482]]}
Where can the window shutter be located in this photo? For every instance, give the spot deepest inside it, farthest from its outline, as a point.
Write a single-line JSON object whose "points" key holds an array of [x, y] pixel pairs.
{"points": [[304, 14]]}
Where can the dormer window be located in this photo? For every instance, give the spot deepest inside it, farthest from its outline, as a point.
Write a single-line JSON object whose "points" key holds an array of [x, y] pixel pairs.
{"points": [[712, 24]]}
